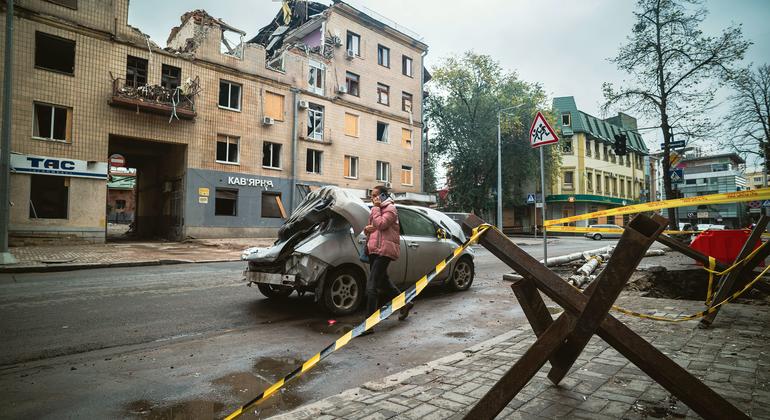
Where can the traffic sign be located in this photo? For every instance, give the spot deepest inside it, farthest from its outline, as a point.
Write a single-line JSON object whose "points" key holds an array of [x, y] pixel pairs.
{"points": [[674, 144], [541, 134], [691, 215], [754, 204], [766, 203], [674, 158], [531, 198], [117, 161], [676, 175]]}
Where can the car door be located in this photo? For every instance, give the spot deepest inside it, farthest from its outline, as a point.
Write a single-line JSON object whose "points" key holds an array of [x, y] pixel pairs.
{"points": [[423, 248]]}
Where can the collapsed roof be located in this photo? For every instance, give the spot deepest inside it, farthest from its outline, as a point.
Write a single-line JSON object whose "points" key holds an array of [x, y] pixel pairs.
{"points": [[292, 15]]}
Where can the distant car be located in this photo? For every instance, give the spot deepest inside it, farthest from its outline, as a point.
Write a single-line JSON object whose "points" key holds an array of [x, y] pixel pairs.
{"points": [[595, 235], [318, 250]]}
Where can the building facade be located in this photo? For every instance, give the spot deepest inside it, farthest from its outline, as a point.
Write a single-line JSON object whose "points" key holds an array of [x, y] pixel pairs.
{"points": [[226, 135], [705, 175], [756, 180], [592, 177]]}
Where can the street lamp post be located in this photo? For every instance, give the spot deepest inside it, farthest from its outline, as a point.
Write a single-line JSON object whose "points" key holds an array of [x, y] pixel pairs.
{"points": [[5, 133], [500, 169]]}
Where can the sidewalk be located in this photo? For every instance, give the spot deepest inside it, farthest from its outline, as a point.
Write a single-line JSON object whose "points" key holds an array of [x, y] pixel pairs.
{"points": [[128, 254], [733, 358]]}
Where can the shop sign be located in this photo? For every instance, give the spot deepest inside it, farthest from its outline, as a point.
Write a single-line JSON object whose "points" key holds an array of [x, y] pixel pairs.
{"points": [[249, 182], [30, 164]]}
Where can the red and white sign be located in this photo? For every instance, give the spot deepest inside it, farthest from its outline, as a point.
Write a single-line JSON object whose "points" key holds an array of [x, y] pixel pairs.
{"points": [[541, 134], [117, 161]]}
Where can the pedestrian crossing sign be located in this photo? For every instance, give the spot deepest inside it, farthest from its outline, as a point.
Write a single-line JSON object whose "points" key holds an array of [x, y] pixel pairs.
{"points": [[531, 199]]}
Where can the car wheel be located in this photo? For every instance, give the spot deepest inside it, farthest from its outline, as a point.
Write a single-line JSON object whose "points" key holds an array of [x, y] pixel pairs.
{"points": [[274, 291], [462, 275], [597, 236], [343, 291]]}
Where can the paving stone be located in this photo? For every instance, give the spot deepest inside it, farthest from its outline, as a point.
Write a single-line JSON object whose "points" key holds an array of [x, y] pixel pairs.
{"points": [[419, 411]]}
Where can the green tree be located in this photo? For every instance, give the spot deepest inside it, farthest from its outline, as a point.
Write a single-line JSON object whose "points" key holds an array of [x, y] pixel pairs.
{"points": [[674, 70], [466, 94]]}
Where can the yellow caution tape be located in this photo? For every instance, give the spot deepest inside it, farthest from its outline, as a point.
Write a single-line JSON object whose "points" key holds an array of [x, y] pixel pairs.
{"points": [[395, 304], [723, 198], [581, 229], [709, 290]]}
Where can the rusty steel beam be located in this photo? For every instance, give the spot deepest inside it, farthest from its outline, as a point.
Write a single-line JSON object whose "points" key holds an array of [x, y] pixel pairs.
{"points": [[691, 391], [637, 238], [687, 251], [727, 285]]}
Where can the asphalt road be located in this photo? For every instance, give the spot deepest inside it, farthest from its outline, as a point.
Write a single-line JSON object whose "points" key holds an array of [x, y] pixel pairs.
{"points": [[193, 341]]}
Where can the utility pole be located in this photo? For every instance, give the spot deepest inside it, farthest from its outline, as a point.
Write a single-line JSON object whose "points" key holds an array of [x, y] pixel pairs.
{"points": [[5, 133]]}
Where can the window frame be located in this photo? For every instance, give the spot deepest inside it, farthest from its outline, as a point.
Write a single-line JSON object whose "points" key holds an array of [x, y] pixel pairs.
{"points": [[32, 212], [569, 185], [317, 161], [273, 155], [277, 197], [568, 120], [136, 70], [67, 125], [407, 97], [230, 95], [167, 78], [410, 170], [348, 162], [386, 132], [348, 41], [386, 168], [406, 59], [72, 42], [237, 143], [383, 58], [353, 79], [235, 205], [320, 75], [382, 87], [317, 128]]}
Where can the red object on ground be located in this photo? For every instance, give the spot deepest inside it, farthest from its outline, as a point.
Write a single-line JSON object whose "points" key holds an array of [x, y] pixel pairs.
{"points": [[724, 245]]}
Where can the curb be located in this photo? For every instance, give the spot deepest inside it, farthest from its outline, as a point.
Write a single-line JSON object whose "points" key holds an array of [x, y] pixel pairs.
{"points": [[87, 266], [318, 408]]}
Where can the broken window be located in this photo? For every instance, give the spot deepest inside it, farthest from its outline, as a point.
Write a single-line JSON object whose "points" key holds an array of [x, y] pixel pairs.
{"points": [[316, 77], [271, 155], [315, 122], [54, 53], [136, 71], [70, 4], [351, 83], [351, 125], [383, 94], [406, 138], [406, 66], [406, 102], [226, 202], [406, 175], [229, 95], [274, 106], [354, 44], [272, 206], [227, 149], [48, 197], [170, 77], [383, 171], [351, 167], [313, 161], [52, 122], [383, 56], [382, 131]]}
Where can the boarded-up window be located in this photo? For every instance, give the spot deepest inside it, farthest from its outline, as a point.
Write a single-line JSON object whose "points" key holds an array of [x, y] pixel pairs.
{"points": [[226, 202], [274, 106], [351, 167], [406, 175], [48, 197], [351, 125], [272, 206], [406, 138]]}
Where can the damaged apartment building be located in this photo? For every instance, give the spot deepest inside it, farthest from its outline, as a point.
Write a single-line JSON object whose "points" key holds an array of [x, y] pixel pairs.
{"points": [[226, 134]]}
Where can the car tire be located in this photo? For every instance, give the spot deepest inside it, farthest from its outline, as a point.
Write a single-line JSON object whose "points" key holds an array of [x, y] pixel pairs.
{"points": [[344, 290], [597, 237], [273, 291], [461, 277]]}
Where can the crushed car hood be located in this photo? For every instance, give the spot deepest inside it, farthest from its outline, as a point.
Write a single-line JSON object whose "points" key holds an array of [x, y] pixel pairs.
{"points": [[318, 207]]}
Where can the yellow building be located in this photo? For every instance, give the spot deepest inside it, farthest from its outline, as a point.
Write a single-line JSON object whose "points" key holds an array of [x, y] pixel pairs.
{"points": [[226, 136], [592, 177], [755, 180]]}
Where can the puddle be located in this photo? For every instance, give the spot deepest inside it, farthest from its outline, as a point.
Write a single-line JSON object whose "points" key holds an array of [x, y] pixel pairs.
{"points": [[236, 388], [194, 409], [457, 334]]}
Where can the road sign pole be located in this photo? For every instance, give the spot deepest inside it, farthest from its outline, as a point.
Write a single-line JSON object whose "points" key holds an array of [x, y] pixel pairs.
{"points": [[542, 189]]}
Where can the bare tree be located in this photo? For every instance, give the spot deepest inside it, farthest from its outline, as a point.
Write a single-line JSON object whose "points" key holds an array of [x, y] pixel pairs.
{"points": [[749, 117], [674, 70]]}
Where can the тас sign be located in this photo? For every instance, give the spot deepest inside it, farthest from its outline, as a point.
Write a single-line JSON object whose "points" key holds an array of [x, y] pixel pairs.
{"points": [[29, 164]]}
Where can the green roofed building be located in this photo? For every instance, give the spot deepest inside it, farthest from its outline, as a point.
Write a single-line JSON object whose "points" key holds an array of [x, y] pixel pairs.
{"points": [[592, 177]]}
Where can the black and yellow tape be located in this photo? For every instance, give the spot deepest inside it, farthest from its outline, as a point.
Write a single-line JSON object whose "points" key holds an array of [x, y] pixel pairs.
{"points": [[381, 314], [580, 229]]}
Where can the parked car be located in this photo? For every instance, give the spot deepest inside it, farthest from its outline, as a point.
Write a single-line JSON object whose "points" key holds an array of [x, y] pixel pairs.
{"points": [[318, 251], [596, 235]]}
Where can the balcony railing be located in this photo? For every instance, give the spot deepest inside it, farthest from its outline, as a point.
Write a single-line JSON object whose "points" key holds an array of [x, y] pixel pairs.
{"points": [[154, 99]]}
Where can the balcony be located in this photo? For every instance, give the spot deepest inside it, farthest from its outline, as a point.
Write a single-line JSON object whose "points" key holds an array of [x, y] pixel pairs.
{"points": [[154, 99]]}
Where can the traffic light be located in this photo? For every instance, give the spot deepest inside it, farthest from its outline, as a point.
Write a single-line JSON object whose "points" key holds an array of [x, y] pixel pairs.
{"points": [[620, 144]]}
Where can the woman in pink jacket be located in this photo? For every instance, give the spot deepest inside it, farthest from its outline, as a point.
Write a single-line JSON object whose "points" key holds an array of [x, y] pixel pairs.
{"points": [[383, 246]]}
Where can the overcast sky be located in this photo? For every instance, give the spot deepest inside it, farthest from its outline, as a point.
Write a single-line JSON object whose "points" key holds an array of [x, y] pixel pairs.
{"points": [[562, 44]]}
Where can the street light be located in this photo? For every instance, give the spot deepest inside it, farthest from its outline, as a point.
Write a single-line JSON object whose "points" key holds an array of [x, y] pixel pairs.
{"points": [[500, 169]]}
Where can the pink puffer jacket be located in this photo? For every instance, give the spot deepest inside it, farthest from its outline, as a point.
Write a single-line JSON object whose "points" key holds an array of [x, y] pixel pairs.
{"points": [[385, 240]]}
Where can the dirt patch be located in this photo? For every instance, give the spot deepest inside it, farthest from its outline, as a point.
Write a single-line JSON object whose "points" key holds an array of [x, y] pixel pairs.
{"points": [[194, 409]]}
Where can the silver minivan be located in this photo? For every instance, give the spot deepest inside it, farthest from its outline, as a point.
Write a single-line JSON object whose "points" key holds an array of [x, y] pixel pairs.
{"points": [[318, 251], [597, 235]]}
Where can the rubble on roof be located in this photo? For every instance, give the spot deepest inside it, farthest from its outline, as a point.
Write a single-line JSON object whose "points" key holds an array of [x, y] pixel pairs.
{"points": [[301, 12], [203, 23]]}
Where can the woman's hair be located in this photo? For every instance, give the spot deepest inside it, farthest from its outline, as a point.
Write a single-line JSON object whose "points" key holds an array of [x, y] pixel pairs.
{"points": [[381, 189]]}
